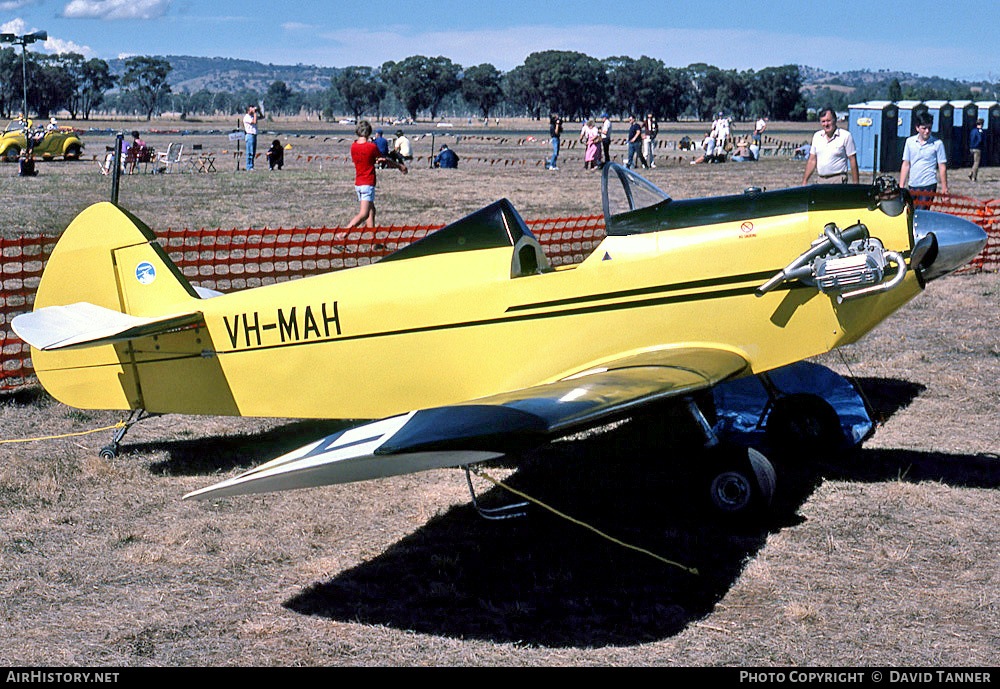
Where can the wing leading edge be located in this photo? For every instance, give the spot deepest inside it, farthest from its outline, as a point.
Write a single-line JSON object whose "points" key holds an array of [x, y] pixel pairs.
{"points": [[489, 427]]}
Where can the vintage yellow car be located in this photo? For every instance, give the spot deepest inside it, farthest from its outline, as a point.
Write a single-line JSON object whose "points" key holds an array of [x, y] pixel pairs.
{"points": [[62, 141]]}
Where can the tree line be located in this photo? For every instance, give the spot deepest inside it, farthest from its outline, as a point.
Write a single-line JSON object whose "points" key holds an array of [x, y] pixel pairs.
{"points": [[571, 83]]}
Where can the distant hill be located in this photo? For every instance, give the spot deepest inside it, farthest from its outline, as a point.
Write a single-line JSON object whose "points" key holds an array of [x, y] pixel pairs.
{"points": [[192, 74], [866, 81]]}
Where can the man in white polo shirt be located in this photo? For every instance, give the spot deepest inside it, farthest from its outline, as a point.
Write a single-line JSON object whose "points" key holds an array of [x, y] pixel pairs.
{"points": [[924, 159], [832, 154]]}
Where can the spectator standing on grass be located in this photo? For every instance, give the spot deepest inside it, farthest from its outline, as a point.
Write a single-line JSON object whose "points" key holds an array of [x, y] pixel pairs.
{"points": [[634, 140], [924, 159], [592, 137], [721, 129], [250, 129], [758, 130], [832, 154], [365, 155], [606, 138], [381, 143], [650, 129], [976, 147], [555, 133]]}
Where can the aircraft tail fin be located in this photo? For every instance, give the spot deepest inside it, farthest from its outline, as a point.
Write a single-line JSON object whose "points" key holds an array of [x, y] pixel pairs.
{"points": [[108, 284], [109, 258]]}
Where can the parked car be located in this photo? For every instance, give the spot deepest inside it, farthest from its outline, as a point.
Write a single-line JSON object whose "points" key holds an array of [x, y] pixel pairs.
{"points": [[50, 144]]}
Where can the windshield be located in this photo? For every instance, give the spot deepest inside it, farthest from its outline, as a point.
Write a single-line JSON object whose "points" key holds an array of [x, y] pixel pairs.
{"points": [[623, 191]]}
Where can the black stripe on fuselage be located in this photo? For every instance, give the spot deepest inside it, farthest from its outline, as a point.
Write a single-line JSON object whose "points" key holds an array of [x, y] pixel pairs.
{"points": [[693, 284], [580, 310]]}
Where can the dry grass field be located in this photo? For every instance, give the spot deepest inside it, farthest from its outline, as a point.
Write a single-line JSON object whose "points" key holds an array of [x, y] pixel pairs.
{"points": [[888, 556]]}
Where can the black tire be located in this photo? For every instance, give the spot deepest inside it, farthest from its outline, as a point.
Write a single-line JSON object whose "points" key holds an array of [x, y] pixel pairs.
{"points": [[72, 153], [741, 482], [109, 452], [804, 424], [11, 154]]}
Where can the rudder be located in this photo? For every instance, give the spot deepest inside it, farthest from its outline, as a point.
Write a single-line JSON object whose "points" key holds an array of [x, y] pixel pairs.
{"points": [[109, 258], [100, 259]]}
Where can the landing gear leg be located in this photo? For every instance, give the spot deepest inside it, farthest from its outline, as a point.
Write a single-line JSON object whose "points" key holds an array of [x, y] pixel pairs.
{"points": [[740, 480], [511, 511], [112, 449]]}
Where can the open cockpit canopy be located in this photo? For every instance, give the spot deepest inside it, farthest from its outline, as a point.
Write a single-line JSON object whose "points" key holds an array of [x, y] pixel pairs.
{"points": [[623, 191], [633, 205], [495, 226]]}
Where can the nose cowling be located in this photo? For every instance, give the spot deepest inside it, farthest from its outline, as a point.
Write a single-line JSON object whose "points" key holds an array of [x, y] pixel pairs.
{"points": [[944, 242]]}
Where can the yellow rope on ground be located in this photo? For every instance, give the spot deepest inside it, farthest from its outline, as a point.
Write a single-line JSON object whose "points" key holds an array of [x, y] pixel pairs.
{"points": [[480, 472], [120, 424]]}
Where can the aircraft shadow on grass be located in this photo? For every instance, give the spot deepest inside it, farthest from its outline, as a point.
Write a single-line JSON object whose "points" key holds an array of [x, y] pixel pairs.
{"points": [[544, 581]]}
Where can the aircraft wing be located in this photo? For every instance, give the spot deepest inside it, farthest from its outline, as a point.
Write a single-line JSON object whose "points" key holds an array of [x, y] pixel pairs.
{"points": [[489, 427], [87, 325]]}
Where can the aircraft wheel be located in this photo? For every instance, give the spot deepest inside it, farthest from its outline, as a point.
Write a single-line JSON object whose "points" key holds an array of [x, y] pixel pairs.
{"points": [[109, 451], [72, 153], [741, 481], [803, 423], [11, 154]]}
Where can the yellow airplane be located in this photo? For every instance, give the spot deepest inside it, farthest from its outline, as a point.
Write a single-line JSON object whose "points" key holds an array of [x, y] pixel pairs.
{"points": [[467, 344]]}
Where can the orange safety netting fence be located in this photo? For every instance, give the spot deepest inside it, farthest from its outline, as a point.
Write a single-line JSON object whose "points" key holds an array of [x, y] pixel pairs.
{"points": [[235, 259], [986, 214]]}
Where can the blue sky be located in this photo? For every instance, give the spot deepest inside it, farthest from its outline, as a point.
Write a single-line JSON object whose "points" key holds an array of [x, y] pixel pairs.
{"points": [[952, 40]]}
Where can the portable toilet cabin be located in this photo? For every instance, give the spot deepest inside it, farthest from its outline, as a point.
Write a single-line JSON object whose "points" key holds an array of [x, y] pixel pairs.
{"points": [[966, 113], [873, 127], [989, 112], [943, 127]]}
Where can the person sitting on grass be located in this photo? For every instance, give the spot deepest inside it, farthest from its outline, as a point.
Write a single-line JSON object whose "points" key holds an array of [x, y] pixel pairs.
{"points": [[275, 155], [26, 164], [708, 145], [447, 158]]}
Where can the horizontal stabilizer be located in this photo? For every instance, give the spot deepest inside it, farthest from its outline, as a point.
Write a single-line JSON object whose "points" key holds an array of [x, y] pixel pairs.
{"points": [[87, 325]]}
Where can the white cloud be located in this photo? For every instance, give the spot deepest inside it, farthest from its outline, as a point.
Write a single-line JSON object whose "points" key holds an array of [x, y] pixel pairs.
{"points": [[115, 9], [51, 45], [15, 25], [59, 46], [296, 26]]}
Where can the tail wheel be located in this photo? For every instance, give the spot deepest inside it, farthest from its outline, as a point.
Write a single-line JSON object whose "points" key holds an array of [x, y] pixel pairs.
{"points": [[72, 152], [741, 481], [11, 154]]}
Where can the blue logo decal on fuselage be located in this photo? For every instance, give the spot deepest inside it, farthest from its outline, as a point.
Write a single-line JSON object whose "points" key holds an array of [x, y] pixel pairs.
{"points": [[145, 273]]}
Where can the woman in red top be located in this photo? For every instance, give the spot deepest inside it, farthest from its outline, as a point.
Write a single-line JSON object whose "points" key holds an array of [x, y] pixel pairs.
{"points": [[365, 155]]}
